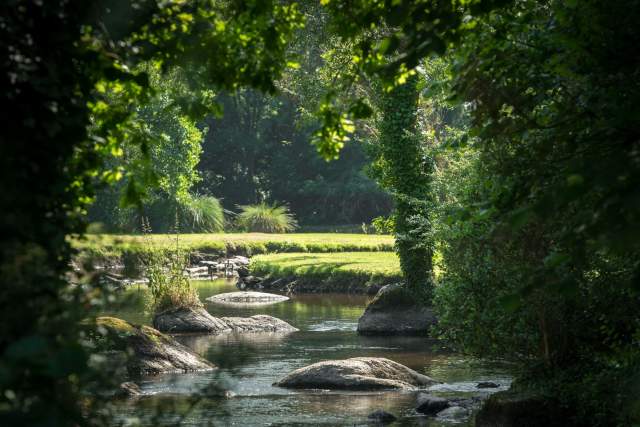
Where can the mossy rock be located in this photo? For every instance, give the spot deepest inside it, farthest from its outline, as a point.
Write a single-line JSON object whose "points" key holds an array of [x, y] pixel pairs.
{"points": [[148, 350], [396, 311], [393, 297]]}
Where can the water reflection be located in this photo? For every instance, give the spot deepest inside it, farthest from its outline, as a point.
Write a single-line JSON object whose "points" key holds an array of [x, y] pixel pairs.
{"points": [[250, 363]]}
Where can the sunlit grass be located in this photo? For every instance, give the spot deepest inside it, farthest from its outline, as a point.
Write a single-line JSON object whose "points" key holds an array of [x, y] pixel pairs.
{"points": [[301, 263], [247, 243], [331, 271]]}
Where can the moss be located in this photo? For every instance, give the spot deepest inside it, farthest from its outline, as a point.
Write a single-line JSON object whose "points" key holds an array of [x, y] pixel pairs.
{"points": [[154, 335], [395, 296], [119, 326]]}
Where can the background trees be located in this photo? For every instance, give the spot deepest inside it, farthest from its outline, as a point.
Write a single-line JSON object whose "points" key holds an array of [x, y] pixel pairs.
{"points": [[259, 151]]}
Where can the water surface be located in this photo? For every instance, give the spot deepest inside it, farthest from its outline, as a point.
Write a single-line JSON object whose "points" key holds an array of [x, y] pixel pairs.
{"points": [[250, 363]]}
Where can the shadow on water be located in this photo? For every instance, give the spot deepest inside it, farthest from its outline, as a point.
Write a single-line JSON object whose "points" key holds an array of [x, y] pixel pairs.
{"points": [[240, 392]]}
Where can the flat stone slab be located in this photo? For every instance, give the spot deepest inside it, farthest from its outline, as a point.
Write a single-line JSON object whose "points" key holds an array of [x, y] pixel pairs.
{"points": [[359, 373], [258, 323], [198, 320], [189, 320], [248, 297]]}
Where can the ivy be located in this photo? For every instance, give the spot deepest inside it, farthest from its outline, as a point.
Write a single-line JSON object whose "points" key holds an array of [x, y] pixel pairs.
{"points": [[404, 168]]}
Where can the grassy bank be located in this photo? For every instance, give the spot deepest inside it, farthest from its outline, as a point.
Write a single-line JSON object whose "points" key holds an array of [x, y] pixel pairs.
{"points": [[128, 249], [355, 272], [237, 243]]}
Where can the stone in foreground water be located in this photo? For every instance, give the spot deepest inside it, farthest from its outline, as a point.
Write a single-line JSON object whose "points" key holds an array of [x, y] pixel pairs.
{"points": [[359, 373]]}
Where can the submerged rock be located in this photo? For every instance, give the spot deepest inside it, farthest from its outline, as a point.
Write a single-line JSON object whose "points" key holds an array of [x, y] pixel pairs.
{"points": [[395, 312], [359, 373], [248, 297], [382, 416], [487, 384], [189, 320], [431, 405], [453, 413], [258, 323], [148, 350]]}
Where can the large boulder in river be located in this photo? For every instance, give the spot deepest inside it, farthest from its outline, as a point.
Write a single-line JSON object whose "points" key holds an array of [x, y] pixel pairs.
{"points": [[359, 373], [189, 320], [258, 323], [394, 311], [147, 350]]}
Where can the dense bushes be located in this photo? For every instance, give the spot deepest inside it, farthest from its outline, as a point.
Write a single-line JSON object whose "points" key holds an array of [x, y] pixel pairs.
{"points": [[572, 346], [540, 248], [195, 214]]}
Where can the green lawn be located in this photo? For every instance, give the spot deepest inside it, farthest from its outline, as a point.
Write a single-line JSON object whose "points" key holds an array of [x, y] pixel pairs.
{"points": [[246, 243], [385, 263], [332, 271]]}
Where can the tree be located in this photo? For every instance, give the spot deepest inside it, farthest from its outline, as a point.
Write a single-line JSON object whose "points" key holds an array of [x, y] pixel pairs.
{"points": [[168, 159], [405, 168]]}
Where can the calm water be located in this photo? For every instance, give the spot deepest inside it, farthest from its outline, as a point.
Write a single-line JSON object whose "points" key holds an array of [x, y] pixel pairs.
{"points": [[249, 364]]}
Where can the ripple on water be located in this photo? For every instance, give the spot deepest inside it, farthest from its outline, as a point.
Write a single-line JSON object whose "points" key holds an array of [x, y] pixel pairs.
{"points": [[472, 386], [333, 325]]}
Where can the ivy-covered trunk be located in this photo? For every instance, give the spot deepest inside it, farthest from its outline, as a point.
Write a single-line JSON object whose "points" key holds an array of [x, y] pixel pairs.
{"points": [[405, 169]]}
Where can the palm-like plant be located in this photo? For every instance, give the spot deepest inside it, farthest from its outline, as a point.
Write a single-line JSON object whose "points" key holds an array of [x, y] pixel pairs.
{"points": [[266, 218], [203, 214]]}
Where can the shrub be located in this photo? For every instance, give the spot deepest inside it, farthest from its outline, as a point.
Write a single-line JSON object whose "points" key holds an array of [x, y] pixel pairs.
{"points": [[169, 286], [265, 218], [383, 225], [203, 214]]}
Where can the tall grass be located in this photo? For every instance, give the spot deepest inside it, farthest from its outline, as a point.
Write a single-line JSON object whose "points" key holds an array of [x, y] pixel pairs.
{"points": [[170, 287], [265, 218], [203, 214]]}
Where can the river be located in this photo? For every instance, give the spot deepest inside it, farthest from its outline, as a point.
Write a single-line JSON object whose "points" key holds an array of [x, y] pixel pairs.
{"points": [[250, 363]]}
